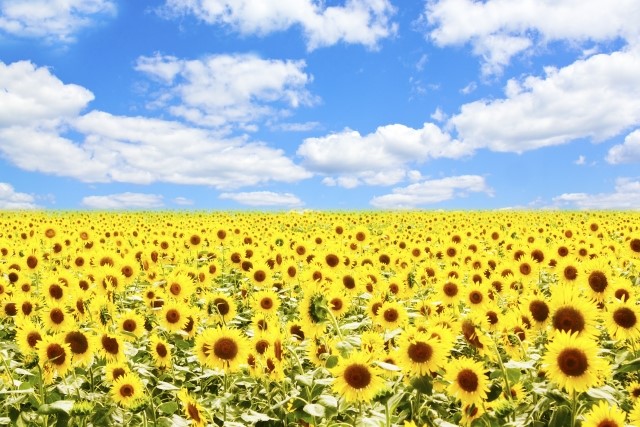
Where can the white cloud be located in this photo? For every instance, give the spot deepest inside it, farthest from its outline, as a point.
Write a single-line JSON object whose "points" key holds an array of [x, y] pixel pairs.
{"points": [[378, 158], [581, 160], [596, 98], [500, 29], [52, 20], [10, 199], [626, 195], [263, 198], [222, 89], [358, 21], [627, 152], [29, 95], [36, 110], [432, 191], [124, 201], [295, 127], [183, 201]]}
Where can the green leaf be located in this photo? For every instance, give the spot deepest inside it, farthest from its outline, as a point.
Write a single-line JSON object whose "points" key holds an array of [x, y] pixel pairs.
{"points": [[168, 407], [314, 409], [328, 401], [561, 417], [59, 406], [305, 379], [254, 417], [332, 361], [166, 386]]}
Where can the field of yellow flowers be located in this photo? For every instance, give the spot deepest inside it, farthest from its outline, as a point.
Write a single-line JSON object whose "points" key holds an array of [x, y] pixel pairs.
{"points": [[320, 318]]}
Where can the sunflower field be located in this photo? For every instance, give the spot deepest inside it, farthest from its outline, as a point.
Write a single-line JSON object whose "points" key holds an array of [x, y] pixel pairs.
{"points": [[320, 319]]}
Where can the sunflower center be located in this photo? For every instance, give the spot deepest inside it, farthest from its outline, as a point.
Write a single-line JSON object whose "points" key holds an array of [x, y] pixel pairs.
{"points": [[538, 255], [570, 272], [193, 412], [467, 380], [635, 245], [26, 308], [332, 260], [525, 269], [11, 309], [175, 288], [129, 325], [127, 390], [225, 348], [568, 319], [420, 352], [357, 376], [469, 332], [55, 291], [493, 317], [598, 281], [127, 271], [450, 289], [336, 304], [608, 423], [56, 316], [622, 294], [110, 344], [173, 316], [259, 276], [56, 354], [625, 317], [539, 310], [222, 305], [161, 350], [194, 240], [572, 362], [32, 338], [266, 303], [391, 315], [563, 251], [297, 331], [475, 297], [77, 341], [32, 262], [117, 373], [261, 346]]}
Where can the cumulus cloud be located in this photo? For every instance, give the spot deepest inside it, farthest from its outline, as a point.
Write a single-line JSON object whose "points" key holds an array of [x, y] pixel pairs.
{"points": [[30, 95], [499, 29], [626, 195], [121, 148], [431, 191], [357, 21], [52, 20], [222, 89], [182, 201], [11, 199], [379, 158], [597, 98], [123, 201], [264, 198], [627, 152]]}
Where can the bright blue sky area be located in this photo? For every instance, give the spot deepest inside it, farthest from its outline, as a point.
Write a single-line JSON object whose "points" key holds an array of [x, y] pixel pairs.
{"points": [[357, 104]]}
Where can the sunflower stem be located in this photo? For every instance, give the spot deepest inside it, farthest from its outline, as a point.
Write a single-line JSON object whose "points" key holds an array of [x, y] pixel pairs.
{"points": [[574, 408]]}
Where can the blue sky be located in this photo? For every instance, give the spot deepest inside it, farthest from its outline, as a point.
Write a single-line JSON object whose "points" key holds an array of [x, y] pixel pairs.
{"points": [[356, 104]]}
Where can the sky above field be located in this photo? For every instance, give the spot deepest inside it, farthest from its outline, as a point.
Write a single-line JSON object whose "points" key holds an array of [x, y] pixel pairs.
{"points": [[307, 104]]}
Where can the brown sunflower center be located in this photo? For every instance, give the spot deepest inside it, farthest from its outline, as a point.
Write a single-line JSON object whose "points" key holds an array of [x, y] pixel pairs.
{"points": [[539, 310], [117, 373], [625, 317], [266, 303], [598, 281], [572, 362], [161, 350], [475, 297], [357, 376], [568, 319], [525, 268], [172, 316], [32, 338], [56, 354], [55, 291], [419, 352], [56, 316], [570, 272], [332, 260], [262, 346], [110, 344], [635, 245], [225, 348], [467, 380], [129, 325], [175, 288], [193, 412], [336, 304], [391, 315], [450, 289], [222, 305], [622, 294], [127, 390], [493, 317], [32, 261], [259, 276], [77, 341]]}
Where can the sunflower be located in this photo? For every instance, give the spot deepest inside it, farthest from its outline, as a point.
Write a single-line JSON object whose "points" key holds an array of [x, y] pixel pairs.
{"points": [[604, 414], [80, 344], [568, 270], [391, 315], [537, 306], [266, 301], [128, 390], [109, 346], [634, 391], [221, 306], [160, 351], [56, 319], [173, 316], [179, 285], [356, 379], [633, 247], [450, 292], [622, 321], [571, 312], [467, 380], [476, 296], [131, 325], [28, 334], [192, 409], [572, 362], [418, 353], [597, 280], [54, 355], [313, 311], [115, 370], [223, 348]]}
